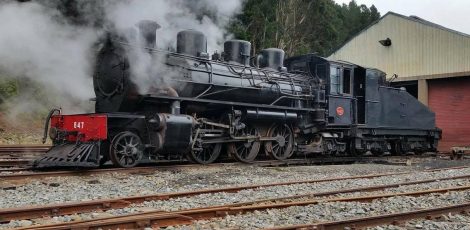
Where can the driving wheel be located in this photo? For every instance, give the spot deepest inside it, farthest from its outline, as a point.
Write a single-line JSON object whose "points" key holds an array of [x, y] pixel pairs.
{"points": [[245, 151], [282, 146]]}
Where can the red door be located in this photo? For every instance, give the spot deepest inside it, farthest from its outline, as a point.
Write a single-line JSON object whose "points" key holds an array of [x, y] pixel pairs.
{"points": [[450, 99]]}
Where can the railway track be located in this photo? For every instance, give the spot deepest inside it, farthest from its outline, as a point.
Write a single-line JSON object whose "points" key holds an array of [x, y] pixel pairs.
{"points": [[24, 172], [122, 202], [188, 216], [394, 218], [7, 149], [20, 155], [23, 155]]}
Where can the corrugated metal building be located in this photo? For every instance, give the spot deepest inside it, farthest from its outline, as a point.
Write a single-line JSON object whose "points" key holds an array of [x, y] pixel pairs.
{"points": [[431, 61]]}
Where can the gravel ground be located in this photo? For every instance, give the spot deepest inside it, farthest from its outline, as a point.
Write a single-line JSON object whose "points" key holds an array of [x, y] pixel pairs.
{"points": [[330, 212], [73, 188], [276, 191], [444, 222]]}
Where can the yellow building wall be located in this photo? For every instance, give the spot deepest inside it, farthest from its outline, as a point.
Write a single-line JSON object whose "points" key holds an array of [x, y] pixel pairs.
{"points": [[416, 50]]}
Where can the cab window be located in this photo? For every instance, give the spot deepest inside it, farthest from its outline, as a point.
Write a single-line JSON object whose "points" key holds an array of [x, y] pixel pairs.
{"points": [[340, 80], [346, 81], [335, 80]]}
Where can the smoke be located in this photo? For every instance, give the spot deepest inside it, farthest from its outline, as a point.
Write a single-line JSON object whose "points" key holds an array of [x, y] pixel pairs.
{"points": [[35, 44], [173, 16], [210, 17], [53, 42]]}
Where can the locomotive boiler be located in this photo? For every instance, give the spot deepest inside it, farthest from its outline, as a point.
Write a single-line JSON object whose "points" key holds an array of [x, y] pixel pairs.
{"points": [[188, 105]]}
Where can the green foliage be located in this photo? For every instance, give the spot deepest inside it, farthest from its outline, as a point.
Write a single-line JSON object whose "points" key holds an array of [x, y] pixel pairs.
{"points": [[8, 88], [301, 26]]}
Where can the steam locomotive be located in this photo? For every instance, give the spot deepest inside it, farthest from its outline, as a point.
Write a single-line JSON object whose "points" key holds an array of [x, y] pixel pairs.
{"points": [[199, 108]]}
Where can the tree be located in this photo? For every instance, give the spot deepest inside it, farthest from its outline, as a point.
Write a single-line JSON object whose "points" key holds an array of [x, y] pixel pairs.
{"points": [[300, 26]]}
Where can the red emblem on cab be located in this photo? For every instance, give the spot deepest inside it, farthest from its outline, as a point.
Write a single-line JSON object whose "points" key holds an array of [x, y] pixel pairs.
{"points": [[340, 111]]}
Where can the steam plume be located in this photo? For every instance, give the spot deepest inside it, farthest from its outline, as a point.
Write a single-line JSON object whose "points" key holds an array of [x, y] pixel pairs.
{"points": [[39, 41]]}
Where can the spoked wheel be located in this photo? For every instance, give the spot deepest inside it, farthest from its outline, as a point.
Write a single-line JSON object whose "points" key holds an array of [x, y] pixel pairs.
{"points": [[126, 150], [204, 153], [208, 154], [245, 151], [283, 145]]}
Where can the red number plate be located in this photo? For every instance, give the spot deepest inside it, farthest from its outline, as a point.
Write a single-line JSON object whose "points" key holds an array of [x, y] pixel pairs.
{"points": [[89, 127]]}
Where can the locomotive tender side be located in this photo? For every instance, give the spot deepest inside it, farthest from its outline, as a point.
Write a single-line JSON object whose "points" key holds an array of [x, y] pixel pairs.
{"points": [[365, 114], [195, 108]]}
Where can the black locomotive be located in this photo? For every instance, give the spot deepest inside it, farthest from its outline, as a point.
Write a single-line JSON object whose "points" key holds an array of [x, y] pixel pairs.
{"points": [[235, 105]]}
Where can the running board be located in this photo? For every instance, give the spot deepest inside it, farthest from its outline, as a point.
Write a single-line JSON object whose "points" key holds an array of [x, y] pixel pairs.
{"points": [[83, 155]]}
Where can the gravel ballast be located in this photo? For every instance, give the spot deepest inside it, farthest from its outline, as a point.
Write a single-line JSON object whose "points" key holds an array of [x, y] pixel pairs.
{"points": [[111, 185], [116, 185], [330, 212]]}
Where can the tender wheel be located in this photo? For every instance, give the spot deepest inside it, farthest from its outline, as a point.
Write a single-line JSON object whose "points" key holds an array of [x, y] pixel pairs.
{"points": [[377, 152], [245, 151], [126, 150], [282, 148], [397, 149], [208, 154]]}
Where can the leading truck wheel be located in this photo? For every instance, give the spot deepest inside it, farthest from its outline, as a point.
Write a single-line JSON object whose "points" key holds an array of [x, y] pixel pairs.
{"points": [[126, 150]]}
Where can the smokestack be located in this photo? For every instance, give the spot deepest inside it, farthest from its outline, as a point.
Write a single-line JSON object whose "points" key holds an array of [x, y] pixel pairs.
{"points": [[147, 31]]}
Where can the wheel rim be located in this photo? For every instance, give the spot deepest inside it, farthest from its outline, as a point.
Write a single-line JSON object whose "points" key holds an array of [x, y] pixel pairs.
{"points": [[208, 154], [126, 150], [245, 151], [283, 147]]}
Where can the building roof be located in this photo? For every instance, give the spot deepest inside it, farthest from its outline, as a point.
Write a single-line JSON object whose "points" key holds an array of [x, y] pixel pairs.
{"points": [[411, 18], [421, 49]]}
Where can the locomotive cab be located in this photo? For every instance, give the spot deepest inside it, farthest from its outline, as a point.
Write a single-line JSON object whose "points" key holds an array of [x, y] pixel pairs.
{"points": [[344, 86]]}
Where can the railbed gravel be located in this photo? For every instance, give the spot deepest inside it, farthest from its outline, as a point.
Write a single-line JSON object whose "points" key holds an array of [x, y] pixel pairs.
{"points": [[330, 211], [444, 222], [111, 185], [272, 192]]}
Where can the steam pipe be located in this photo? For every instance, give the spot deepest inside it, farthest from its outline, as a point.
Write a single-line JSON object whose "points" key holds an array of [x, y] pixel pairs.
{"points": [[46, 126], [175, 105]]}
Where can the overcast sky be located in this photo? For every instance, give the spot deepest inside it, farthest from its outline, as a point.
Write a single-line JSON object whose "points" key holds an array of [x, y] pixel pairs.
{"points": [[453, 14]]}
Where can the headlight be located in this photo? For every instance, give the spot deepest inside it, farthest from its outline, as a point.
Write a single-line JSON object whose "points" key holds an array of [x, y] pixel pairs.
{"points": [[53, 133]]}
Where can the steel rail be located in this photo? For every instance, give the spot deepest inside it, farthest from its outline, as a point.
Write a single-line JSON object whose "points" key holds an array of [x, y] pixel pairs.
{"points": [[106, 204], [13, 169], [266, 163], [23, 148], [371, 221], [165, 219], [14, 162]]}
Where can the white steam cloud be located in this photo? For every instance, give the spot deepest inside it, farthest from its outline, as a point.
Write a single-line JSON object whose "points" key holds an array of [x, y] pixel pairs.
{"points": [[33, 44], [176, 15], [37, 42], [173, 16]]}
